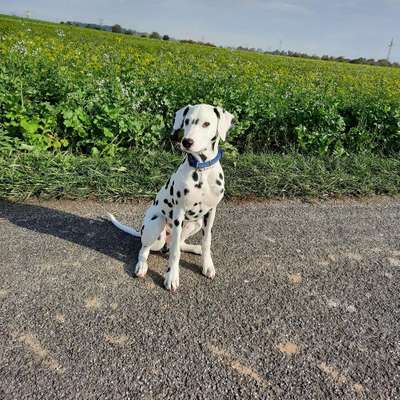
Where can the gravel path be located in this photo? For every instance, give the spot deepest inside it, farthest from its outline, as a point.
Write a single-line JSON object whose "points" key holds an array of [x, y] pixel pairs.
{"points": [[305, 305]]}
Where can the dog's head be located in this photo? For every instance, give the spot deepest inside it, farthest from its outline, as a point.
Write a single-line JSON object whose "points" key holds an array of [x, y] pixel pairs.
{"points": [[203, 126]]}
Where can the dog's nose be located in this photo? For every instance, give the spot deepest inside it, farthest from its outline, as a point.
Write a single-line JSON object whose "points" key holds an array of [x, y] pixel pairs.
{"points": [[187, 143]]}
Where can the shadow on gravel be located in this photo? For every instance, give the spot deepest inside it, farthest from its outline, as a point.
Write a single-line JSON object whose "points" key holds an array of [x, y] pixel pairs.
{"points": [[96, 234]]}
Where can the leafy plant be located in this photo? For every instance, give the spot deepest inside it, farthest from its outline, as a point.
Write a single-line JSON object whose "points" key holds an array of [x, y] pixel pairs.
{"points": [[91, 92]]}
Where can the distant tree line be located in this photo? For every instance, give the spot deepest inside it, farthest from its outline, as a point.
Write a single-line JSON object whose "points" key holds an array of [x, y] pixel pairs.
{"points": [[360, 60], [119, 29], [155, 35]]}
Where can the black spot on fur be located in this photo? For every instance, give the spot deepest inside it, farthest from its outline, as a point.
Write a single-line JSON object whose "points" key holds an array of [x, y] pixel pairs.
{"points": [[217, 112], [154, 217], [202, 231], [185, 111], [176, 222], [221, 176], [195, 176], [195, 204], [166, 185], [171, 213], [222, 190], [141, 230], [156, 203], [163, 212], [218, 182], [190, 212], [185, 191], [206, 218], [187, 121], [199, 185], [176, 202], [213, 140], [178, 193], [171, 189], [169, 269], [200, 211], [168, 203], [203, 157]]}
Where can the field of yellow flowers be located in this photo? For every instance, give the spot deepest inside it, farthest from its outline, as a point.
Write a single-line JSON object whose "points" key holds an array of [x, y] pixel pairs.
{"points": [[91, 92]]}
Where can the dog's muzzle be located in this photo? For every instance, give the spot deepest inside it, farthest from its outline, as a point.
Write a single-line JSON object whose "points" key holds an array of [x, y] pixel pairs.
{"points": [[187, 143]]}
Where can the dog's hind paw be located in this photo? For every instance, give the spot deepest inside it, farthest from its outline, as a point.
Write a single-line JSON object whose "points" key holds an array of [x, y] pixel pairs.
{"points": [[191, 248], [141, 269], [171, 280]]}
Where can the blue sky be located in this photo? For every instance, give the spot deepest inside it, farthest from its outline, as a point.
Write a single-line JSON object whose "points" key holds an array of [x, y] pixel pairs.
{"points": [[351, 28]]}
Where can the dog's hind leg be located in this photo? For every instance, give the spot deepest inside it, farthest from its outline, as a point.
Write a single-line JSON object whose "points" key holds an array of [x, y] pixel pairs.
{"points": [[190, 228], [152, 237]]}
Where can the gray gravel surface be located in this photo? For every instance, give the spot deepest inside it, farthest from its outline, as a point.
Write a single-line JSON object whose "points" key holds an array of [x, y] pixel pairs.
{"points": [[305, 305]]}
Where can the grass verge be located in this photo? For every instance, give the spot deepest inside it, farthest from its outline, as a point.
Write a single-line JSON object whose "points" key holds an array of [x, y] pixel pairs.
{"points": [[46, 175]]}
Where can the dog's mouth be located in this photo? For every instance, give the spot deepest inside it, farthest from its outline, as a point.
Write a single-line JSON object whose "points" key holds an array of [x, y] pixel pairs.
{"points": [[189, 151]]}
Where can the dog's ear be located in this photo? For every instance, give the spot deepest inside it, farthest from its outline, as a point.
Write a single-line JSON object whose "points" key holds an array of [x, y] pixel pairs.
{"points": [[180, 117], [225, 120]]}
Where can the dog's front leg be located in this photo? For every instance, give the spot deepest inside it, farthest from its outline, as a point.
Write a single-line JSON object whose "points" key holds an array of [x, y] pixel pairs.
{"points": [[207, 262], [171, 281]]}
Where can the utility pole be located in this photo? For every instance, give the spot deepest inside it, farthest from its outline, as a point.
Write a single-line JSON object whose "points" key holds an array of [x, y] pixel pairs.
{"points": [[390, 46]]}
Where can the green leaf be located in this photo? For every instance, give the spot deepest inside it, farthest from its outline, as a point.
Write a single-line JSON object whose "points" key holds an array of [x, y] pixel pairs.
{"points": [[29, 126], [107, 133]]}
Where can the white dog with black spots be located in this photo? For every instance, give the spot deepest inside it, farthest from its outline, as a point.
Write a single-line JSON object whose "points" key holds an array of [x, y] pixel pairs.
{"points": [[187, 202]]}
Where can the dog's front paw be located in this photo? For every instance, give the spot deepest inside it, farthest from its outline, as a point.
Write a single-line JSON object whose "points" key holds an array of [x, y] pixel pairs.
{"points": [[171, 279], [141, 269], [208, 269]]}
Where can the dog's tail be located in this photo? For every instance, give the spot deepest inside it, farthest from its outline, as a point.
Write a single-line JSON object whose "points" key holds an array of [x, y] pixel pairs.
{"points": [[123, 227]]}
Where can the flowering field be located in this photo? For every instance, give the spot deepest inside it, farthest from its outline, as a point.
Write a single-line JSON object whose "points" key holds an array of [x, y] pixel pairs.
{"points": [[92, 92]]}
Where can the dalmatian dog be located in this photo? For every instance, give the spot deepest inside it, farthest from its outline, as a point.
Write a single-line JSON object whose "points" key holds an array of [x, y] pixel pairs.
{"points": [[187, 201]]}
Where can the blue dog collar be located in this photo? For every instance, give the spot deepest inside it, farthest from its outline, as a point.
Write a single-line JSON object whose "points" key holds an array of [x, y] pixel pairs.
{"points": [[201, 165]]}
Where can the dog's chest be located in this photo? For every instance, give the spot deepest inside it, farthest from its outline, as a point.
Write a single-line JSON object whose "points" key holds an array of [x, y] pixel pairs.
{"points": [[206, 187], [196, 191]]}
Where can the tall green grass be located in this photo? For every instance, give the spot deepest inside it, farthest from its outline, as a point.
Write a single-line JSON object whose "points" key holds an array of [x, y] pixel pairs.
{"points": [[47, 175]]}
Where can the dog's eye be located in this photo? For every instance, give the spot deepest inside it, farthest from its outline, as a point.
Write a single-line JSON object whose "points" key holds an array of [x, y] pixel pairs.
{"points": [[206, 124], [186, 121]]}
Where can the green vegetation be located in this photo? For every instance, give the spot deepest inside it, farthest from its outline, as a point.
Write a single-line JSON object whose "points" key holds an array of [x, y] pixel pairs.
{"points": [[93, 92], [266, 175], [88, 113]]}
